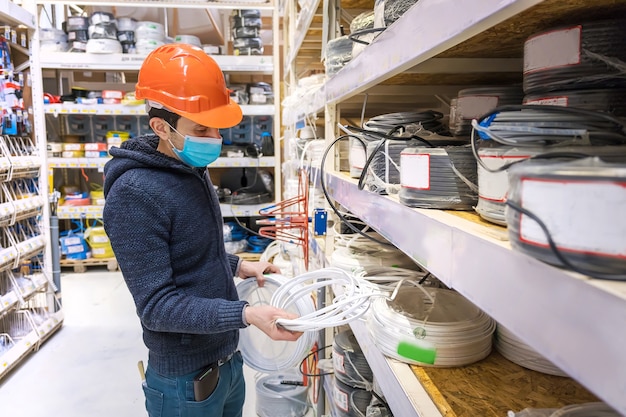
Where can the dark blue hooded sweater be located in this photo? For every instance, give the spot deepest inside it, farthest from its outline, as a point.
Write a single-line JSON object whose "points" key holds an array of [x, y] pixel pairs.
{"points": [[164, 222]]}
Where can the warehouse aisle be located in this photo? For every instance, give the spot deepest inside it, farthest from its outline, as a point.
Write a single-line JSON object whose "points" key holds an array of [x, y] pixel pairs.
{"points": [[89, 368]]}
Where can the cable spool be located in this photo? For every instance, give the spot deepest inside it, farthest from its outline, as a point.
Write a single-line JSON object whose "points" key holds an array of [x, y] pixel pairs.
{"points": [[473, 103], [277, 396], [589, 55], [76, 23], [247, 22], [101, 17], [248, 46], [442, 178], [549, 126], [493, 186], [518, 352], [149, 31], [104, 46], [493, 181], [259, 351], [338, 54], [349, 363], [126, 24], [190, 39], [350, 401], [105, 30], [430, 327], [126, 36], [246, 32], [78, 36], [580, 205], [145, 46], [361, 33], [612, 101], [388, 11]]}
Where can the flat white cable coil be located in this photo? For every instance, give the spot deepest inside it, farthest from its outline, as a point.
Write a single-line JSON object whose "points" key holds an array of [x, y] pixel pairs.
{"points": [[259, 351], [277, 397], [430, 327], [515, 350], [570, 214], [352, 300]]}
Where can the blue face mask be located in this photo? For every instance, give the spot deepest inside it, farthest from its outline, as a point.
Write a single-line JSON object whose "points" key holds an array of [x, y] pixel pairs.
{"points": [[198, 151]]}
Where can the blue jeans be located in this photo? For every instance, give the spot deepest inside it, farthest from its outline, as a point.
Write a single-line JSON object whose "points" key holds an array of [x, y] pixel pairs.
{"points": [[173, 396]]}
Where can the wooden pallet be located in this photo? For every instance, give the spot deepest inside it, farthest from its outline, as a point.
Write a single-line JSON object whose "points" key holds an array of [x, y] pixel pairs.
{"points": [[80, 266]]}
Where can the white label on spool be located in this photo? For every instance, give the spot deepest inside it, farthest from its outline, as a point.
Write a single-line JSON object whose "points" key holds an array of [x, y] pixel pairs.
{"points": [[549, 101], [338, 360], [357, 155], [582, 216], [473, 107], [341, 398], [494, 186], [415, 171], [552, 50]]}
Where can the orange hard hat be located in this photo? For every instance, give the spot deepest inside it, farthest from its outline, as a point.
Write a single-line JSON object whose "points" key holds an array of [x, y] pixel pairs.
{"points": [[186, 81]]}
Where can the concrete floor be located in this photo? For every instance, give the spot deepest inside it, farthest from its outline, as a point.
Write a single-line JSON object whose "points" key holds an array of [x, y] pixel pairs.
{"points": [[89, 367]]}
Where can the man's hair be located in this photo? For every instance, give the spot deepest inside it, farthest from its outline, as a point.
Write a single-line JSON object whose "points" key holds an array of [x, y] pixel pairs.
{"points": [[168, 116]]}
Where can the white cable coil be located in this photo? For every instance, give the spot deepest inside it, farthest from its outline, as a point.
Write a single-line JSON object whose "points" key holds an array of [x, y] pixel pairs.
{"points": [[274, 398], [515, 350], [430, 327], [259, 351], [351, 302], [493, 186], [104, 46]]}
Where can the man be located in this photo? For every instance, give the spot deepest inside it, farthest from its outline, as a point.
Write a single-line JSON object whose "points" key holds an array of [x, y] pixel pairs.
{"points": [[163, 218]]}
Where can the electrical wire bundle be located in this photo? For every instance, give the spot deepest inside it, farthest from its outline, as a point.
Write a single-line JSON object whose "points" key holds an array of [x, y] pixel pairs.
{"points": [[570, 214], [430, 326], [588, 55], [353, 375], [338, 54], [259, 351], [388, 11], [362, 31], [352, 299], [515, 350], [607, 100], [281, 395], [473, 103], [441, 178], [513, 134], [246, 32], [386, 278], [356, 252]]}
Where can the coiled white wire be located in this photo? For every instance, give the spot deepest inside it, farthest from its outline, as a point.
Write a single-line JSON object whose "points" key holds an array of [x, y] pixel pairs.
{"points": [[259, 351], [515, 350], [275, 399], [438, 327], [352, 301]]}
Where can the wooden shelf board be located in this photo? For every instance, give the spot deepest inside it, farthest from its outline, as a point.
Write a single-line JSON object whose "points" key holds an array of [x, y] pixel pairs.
{"points": [[495, 385]]}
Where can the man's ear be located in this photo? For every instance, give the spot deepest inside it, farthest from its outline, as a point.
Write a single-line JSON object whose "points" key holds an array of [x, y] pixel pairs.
{"points": [[160, 128]]}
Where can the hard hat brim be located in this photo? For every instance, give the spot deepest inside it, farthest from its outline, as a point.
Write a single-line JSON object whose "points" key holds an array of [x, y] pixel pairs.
{"points": [[221, 117]]}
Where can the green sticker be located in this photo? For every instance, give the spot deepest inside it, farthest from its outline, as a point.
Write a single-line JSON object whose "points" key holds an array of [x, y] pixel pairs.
{"points": [[417, 353]]}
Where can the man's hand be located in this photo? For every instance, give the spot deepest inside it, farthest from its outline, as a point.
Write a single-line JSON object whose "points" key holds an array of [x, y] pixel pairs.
{"points": [[256, 270], [264, 317]]}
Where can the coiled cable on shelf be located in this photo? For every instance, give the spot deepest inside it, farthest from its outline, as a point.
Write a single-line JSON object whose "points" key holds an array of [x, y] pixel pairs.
{"points": [[441, 178], [607, 100], [351, 301], [280, 395], [430, 326], [350, 401], [569, 215], [590, 55], [550, 125], [259, 351], [515, 350], [473, 103], [349, 363]]}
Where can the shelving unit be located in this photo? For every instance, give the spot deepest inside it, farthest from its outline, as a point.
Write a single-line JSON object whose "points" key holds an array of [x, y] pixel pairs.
{"points": [[454, 46], [66, 69], [29, 310]]}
